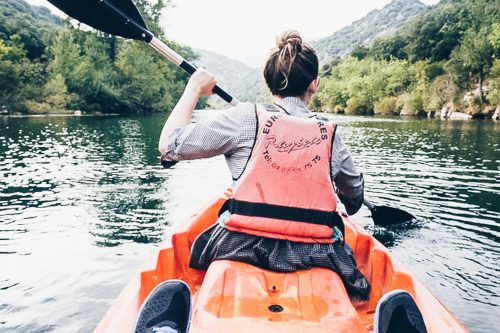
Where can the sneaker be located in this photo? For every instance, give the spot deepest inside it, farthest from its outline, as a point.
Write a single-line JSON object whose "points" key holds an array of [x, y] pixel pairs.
{"points": [[167, 309], [397, 312]]}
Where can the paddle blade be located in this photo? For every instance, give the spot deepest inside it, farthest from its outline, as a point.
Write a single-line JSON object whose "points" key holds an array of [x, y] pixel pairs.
{"points": [[116, 17], [386, 216]]}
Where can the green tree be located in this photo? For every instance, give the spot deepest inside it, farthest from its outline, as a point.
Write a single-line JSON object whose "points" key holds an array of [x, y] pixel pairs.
{"points": [[389, 48], [419, 93], [82, 59], [436, 33], [476, 55], [48, 67], [144, 84], [53, 98], [9, 75], [494, 92], [482, 12], [20, 78], [495, 38], [360, 52], [357, 85], [31, 24], [441, 91], [387, 106]]}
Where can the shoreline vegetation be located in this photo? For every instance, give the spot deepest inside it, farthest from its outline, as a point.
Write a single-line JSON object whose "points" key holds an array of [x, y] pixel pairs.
{"points": [[445, 63], [48, 65]]}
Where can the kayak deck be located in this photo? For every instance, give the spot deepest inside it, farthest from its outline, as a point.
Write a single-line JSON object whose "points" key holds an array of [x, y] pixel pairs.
{"points": [[237, 297]]}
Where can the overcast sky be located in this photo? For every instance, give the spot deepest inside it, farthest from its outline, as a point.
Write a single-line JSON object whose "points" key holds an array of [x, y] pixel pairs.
{"points": [[246, 29]]}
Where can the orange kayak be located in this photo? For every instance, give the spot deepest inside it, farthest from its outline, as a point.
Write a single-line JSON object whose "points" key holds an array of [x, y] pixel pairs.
{"points": [[236, 297]]}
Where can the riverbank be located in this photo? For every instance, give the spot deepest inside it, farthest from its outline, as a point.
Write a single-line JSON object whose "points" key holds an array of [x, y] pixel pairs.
{"points": [[444, 114], [490, 113], [74, 114], [448, 113]]}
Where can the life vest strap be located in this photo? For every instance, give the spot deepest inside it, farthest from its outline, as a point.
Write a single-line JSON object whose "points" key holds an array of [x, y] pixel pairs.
{"points": [[294, 214]]}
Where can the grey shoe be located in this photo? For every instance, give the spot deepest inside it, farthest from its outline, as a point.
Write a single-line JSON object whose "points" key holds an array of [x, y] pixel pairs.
{"points": [[166, 309], [397, 312]]}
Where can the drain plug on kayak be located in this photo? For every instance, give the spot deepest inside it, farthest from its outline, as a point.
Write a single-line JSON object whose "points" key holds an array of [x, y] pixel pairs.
{"points": [[275, 308]]}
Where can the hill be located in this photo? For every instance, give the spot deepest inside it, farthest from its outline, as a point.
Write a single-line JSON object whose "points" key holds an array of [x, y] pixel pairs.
{"points": [[364, 31], [228, 71], [244, 82], [31, 23]]}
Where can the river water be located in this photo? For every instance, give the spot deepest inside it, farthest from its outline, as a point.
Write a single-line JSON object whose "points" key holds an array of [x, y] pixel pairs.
{"points": [[84, 202]]}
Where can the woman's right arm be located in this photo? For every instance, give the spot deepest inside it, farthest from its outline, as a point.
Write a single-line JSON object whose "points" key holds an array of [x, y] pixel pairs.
{"points": [[201, 83], [222, 133]]}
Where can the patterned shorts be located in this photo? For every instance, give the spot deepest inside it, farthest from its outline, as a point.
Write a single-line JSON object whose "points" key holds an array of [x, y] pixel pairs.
{"points": [[217, 243]]}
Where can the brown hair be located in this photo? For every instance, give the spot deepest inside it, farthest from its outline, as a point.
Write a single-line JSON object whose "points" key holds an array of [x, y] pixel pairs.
{"points": [[291, 67]]}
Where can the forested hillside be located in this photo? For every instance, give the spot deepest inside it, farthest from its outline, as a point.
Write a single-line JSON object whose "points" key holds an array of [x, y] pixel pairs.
{"points": [[227, 70], [31, 24], [364, 31], [447, 57], [48, 66], [244, 82]]}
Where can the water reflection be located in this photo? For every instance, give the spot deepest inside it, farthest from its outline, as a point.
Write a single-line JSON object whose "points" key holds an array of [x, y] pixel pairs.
{"points": [[447, 174], [83, 201]]}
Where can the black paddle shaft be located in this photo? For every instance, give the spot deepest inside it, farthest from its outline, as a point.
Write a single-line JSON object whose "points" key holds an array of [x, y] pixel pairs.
{"points": [[121, 18]]}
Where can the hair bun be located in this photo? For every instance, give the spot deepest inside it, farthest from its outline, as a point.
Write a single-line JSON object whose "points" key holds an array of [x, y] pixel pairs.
{"points": [[292, 38], [291, 67]]}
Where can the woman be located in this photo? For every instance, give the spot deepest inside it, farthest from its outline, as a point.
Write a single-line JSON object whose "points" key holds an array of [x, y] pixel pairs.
{"points": [[291, 73]]}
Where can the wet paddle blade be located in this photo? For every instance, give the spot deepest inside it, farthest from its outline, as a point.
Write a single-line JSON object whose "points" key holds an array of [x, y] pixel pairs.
{"points": [[387, 216], [116, 17]]}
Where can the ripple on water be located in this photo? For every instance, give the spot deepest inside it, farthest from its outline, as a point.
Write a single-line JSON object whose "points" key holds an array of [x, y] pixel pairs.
{"points": [[83, 203]]}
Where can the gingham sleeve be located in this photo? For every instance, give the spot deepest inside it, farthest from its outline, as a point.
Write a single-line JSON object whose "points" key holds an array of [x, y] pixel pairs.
{"points": [[224, 133], [348, 180]]}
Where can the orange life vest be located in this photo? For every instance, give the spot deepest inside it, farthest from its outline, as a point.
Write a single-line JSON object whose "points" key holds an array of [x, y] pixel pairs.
{"points": [[286, 191]]}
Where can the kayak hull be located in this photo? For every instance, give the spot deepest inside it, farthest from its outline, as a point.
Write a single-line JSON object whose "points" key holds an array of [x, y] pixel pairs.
{"points": [[237, 297]]}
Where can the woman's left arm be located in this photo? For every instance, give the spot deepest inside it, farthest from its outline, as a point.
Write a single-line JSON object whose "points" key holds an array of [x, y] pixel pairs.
{"points": [[201, 83], [349, 181]]}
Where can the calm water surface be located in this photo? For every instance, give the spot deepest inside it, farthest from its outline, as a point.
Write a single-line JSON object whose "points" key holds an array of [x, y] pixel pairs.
{"points": [[84, 202]]}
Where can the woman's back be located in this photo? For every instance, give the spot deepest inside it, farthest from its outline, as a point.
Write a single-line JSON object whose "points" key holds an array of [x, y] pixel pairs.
{"points": [[285, 226], [232, 134]]}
